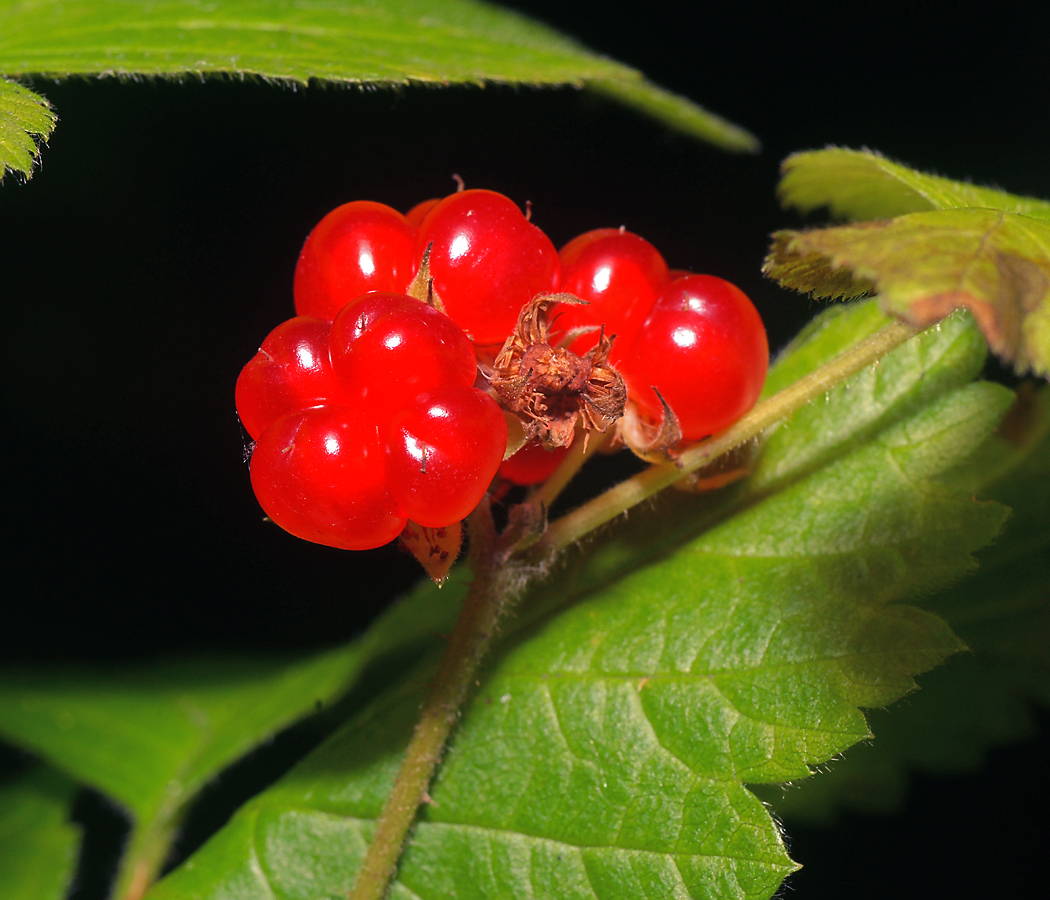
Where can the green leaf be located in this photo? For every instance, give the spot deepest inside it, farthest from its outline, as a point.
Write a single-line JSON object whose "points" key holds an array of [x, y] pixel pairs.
{"points": [[182, 721], [925, 264], [25, 119], [862, 184], [39, 843], [951, 245], [150, 737], [607, 750], [984, 698], [179, 721], [397, 42]]}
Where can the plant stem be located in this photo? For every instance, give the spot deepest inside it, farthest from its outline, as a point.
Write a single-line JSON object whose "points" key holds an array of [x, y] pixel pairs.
{"points": [[144, 854], [617, 500], [581, 450], [483, 606]]}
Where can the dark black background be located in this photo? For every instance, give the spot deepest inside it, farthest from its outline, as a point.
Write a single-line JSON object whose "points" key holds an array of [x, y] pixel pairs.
{"points": [[153, 249]]}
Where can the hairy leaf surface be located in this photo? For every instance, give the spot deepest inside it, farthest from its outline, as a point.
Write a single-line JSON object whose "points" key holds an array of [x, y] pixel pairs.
{"points": [[25, 119], [862, 184], [39, 844], [607, 749], [925, 264], [984, 698], [397, 42], [937, 245]]}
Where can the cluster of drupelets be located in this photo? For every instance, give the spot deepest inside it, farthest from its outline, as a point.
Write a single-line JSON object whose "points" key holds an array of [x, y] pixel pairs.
{"points": [[420, 338]]}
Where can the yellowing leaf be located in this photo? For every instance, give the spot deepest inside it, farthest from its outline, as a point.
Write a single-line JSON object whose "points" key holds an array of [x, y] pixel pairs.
{"points": [[951, 245]]}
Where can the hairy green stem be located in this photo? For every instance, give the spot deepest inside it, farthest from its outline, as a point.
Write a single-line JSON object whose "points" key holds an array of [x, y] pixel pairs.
{"points": [[617, 500], [483, 606], [582, 449]]}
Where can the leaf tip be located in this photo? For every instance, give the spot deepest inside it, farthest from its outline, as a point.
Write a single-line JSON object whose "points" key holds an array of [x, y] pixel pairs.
{"points": [[678, 112], [26, 121]]}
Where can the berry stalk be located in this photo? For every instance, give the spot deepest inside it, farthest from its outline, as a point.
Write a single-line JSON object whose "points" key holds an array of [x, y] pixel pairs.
{"points": [[617, 500], [489, 597], [581, 450]]}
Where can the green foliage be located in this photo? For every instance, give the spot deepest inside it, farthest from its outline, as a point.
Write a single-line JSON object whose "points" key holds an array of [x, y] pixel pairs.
{"points": [[399, 42], [150, 737], [978, 249], [861, 184], [25, 118], [39, 845], [983, 700], [606, 752], [181, 722]]}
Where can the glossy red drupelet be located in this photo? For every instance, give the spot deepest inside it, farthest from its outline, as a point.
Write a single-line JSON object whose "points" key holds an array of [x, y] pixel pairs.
{"points": [[367, 422], [358, 247], [487, 262], [703, 347], [619, 274]]}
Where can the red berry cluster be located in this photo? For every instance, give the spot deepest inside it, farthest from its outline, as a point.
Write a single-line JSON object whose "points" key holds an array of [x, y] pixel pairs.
{"points": [[364, 407]]}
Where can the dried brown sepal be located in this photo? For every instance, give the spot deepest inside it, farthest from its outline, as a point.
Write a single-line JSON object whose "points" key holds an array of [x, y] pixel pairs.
{"points": [[516, 438], [436, 549], [422, 286], [550, 389], [653, 443]]}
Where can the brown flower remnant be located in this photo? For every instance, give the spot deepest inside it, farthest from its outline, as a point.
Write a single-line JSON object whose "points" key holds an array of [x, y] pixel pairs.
{"points": [[648, 441], [436, 549], [551, 388]]}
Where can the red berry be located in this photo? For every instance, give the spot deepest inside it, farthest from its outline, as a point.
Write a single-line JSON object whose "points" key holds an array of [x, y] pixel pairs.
{"points": [[703, 346], [358, 247], [418, 213], [387, 349], [619, 274], [290, 372], [320, 474], [532, 464], [487, 261], [344, 415], [443, 451]]}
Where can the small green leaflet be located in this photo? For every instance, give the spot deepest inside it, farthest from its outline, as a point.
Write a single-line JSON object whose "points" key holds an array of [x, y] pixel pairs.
{"points": [[948, 245], [38, 844], [25, 119], [397, 42], [607, 750]]}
